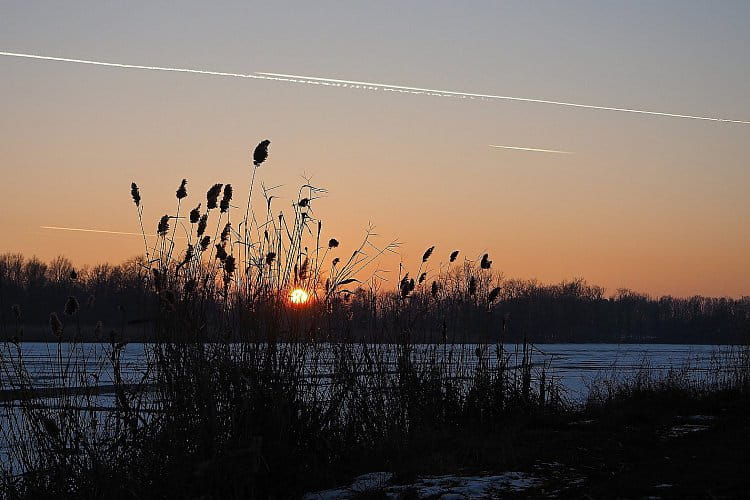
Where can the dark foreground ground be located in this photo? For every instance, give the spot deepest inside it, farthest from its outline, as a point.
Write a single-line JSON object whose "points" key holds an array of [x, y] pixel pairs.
{"points": [[642, 446]]}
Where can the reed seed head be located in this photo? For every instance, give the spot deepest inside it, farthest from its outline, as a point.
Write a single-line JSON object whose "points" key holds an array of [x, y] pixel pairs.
{"points": [[493, 294], [73, 274], [71, 306], [221, 252], [55, 325], [205, 241], [182, 190], [189, 252], [261, 152], [226, 198], [303, 269], [212, 196], [407, 286], [454, 254], [486, 262], [195, 214], [202, 223], [226, 232], [333, 243], [304, 202], [422, 277], [163, 226], [269, 257], [335, 261], [427, 253], [135, 194]]}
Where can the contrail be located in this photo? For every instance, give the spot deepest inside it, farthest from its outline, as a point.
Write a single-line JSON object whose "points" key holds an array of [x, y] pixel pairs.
{"points": [[536, 150], [450, 93], [310, 80], [92, 230], [133, 66]]}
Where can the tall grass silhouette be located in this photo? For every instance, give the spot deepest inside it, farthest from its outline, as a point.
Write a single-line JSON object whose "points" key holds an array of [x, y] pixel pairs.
{"points": [[245, 391]]}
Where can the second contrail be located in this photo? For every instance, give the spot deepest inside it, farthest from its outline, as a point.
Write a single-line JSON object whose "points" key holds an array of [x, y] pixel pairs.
{"points": [[310, 80], [535, 150]]}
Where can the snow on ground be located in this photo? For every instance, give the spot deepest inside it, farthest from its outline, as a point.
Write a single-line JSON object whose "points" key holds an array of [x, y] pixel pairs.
{"points": [[442, 487], [689, 425]]}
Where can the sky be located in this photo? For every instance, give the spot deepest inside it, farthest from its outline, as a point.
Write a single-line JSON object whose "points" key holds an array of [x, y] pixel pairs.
{"points": [[651, 203]]}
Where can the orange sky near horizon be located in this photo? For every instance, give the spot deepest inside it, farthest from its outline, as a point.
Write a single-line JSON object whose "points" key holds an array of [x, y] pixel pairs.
{"points": [[654, 204]]}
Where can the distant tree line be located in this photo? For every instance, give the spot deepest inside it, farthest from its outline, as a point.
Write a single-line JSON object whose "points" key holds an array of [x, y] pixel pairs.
{"points": [[30, 290], [463, 305]]}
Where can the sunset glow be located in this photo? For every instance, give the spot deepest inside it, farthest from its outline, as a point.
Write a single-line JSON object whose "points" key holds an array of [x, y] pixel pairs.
{"points": [[299, 296], [635, 177]]}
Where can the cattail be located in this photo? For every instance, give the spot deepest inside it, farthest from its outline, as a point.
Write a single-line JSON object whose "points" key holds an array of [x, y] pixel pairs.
{"points": [[434, 289], [230, 264], [212, 196], [472, 286], [333, 243], [202, 223], [454, 254], [163, 226], [73, 274], [493, 294], [422, 277], [136, 194], [486, 263], [205, 241], [55, 325], [16, 311], [226, 198], [304, 202], [261, 152], [427, 254], [269, 257], [226, 232], [221, 253], [71, 306], [195, 214], [182, 190]]}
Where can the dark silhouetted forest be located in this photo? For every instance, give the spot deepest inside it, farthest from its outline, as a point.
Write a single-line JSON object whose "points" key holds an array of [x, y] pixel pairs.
{"points": [[571, 311]]}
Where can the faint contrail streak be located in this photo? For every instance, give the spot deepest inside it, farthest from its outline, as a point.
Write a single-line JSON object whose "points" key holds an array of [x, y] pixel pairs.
{"points": [[310, 80], [92, 230], [536, 150]]}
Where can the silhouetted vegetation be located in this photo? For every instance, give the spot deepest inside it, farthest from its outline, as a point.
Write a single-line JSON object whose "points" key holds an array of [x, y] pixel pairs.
{"points": [[572, 311], [246, 393]]}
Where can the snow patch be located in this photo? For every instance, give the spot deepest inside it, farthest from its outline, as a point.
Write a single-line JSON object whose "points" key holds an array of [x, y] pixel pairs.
{"points": [[444, 487]]}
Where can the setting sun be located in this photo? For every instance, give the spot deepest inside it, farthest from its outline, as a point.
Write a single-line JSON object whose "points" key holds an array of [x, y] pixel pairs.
{"points": [[299, 296]]}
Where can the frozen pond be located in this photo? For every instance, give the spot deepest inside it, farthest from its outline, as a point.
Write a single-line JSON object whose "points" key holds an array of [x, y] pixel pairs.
{"points": [[573, 365]]}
